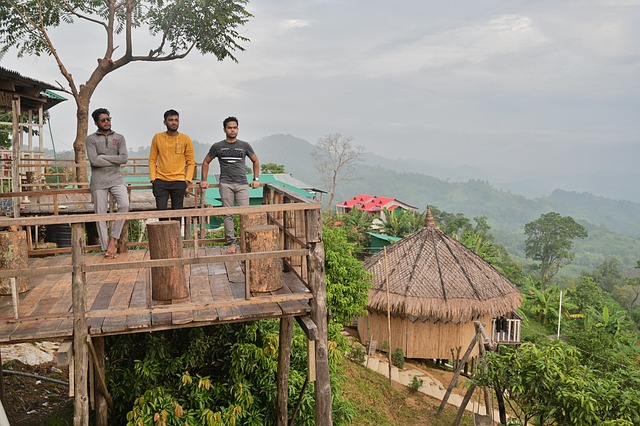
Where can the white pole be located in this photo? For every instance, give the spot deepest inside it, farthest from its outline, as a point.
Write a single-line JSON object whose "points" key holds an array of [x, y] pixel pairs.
{"points": [[559, 314]]}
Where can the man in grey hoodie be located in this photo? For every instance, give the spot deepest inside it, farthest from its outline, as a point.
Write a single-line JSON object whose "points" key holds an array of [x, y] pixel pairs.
{"points": [[107, 151]]}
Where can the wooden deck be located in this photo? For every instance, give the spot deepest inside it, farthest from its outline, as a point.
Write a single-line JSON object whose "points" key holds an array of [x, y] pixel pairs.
{"points": [[119, 300]]}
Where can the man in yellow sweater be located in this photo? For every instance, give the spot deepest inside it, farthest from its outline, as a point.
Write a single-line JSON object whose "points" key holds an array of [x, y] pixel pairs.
{"points": [[171, 163]]}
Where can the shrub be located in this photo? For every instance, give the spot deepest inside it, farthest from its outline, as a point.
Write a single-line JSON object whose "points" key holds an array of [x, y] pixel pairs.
{"points": [[357, 353], [416, 383], [397, 358]]}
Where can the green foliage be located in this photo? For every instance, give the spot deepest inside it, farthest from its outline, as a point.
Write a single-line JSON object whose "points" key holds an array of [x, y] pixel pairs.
{"points": [[348, 282], [550, 242], [608, 274], [397, 358], [401, 223], [211, 375], [357, 353], [356, 224], [415, 384], [207, 25], [547, 384], [544, 302], [272, 168]]}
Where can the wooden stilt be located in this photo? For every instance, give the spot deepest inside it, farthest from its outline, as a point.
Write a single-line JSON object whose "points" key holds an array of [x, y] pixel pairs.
{"points": [[1, 381], [102, 397], [284, 365], [318, 285], [454, 379], [80, 331]]}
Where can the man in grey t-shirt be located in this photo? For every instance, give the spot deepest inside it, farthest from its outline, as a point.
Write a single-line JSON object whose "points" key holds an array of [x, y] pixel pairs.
{"points": [[234, 188], [107, 151]]}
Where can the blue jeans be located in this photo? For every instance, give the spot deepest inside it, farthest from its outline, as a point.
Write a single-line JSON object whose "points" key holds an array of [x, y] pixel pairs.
{"points": [[230, 194]]}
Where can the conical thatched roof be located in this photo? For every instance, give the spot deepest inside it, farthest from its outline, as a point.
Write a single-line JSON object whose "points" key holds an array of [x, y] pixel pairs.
{"points": [[433, 276]]}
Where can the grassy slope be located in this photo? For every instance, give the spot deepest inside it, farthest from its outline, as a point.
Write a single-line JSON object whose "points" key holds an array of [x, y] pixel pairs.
{"points": [[381, 405]]}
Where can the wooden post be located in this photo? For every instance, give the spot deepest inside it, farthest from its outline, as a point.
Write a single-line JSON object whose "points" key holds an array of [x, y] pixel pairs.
{"points": [[13, 255], [318, 287], [101, 398], [1, 381], [264, 274], [16, 113], [284, 360], [80, 331], [167, 282], [454, 379]]}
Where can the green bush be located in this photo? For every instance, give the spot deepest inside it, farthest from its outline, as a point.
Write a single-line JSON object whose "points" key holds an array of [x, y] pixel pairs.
{"points": [[416, 383], [397, 358], [356, 353]]}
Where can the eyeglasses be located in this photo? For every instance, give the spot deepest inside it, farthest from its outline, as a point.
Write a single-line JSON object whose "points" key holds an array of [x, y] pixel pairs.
{"points": [[102, 120]]}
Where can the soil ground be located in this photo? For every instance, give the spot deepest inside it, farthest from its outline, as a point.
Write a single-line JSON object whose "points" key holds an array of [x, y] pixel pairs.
{"points": [[31, 401]]}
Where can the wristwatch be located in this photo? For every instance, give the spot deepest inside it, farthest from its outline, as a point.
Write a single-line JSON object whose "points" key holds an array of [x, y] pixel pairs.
{"points": [[256, 179]]}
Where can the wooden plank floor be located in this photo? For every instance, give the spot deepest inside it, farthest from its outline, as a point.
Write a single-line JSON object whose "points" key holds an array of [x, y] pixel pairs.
{"points": [[118, 301]]}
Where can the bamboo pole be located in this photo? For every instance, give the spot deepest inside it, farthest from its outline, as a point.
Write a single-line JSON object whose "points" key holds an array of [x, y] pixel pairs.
{"points": [[386, 278]]}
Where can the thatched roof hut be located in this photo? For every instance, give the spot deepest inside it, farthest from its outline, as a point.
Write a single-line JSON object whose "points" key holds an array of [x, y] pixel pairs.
{"points": [[437, 288]]}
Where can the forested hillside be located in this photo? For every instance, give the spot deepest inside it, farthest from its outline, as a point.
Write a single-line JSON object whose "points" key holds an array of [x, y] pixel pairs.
{"points": [[614, 226]]}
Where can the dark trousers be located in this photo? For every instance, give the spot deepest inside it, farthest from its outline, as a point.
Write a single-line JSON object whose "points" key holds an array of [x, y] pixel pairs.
{"points": [[163, 189]]}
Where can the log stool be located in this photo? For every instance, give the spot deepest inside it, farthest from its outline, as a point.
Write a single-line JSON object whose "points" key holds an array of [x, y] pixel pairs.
{"points": [[13, 255], [264, 274], [168, 283], [247, 221]]}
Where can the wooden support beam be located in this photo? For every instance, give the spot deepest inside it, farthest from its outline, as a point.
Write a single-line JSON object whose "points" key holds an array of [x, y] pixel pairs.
{"points": [[103, 399], [318, 285], [1, 381], [308, 326], [80, 330], [454, 379], [284, 365]]}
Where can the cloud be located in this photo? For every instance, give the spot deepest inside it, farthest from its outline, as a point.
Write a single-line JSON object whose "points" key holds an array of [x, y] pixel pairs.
{"points": [[293, 24]]}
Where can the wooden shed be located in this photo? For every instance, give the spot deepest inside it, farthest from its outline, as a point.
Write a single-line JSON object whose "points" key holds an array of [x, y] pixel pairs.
{"points": [[437, 288]]}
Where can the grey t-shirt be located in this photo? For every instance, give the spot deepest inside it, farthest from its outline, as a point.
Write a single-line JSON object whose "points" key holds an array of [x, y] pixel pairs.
{"points": [[106, 153], [231, 157]]}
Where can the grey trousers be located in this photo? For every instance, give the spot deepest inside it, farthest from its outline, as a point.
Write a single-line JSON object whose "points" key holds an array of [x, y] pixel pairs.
{"points": [[231, 193], [101, 205]]}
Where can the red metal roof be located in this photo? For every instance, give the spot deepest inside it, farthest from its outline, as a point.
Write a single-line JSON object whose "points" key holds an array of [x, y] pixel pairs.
{"points": [[373, 203]]}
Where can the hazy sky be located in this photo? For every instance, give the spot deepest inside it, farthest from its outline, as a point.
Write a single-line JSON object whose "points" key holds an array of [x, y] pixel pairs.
{"points": [[531, 84]]}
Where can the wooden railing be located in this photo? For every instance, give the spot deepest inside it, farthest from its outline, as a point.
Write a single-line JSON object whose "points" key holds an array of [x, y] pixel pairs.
{"points": [[506, 330], [58, 173]]}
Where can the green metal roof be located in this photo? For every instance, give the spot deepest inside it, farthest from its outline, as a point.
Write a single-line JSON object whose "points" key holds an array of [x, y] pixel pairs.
{"points": [[389, 238], [51, 95], [213, 194]]}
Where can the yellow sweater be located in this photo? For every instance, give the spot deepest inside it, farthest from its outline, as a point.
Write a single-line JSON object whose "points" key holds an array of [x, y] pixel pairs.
{"points": [[171, 157]]}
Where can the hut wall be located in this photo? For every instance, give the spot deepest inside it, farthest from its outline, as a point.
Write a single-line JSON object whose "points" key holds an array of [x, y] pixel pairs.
{"points": [[420, 339]]}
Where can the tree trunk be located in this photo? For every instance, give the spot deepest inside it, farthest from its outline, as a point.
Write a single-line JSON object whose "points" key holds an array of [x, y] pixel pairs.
{"points": [[13, 255], [82, 129]]}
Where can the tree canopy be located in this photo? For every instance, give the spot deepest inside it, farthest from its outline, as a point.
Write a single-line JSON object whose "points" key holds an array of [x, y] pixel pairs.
{"points": [[177, 27], [549, 240]]}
